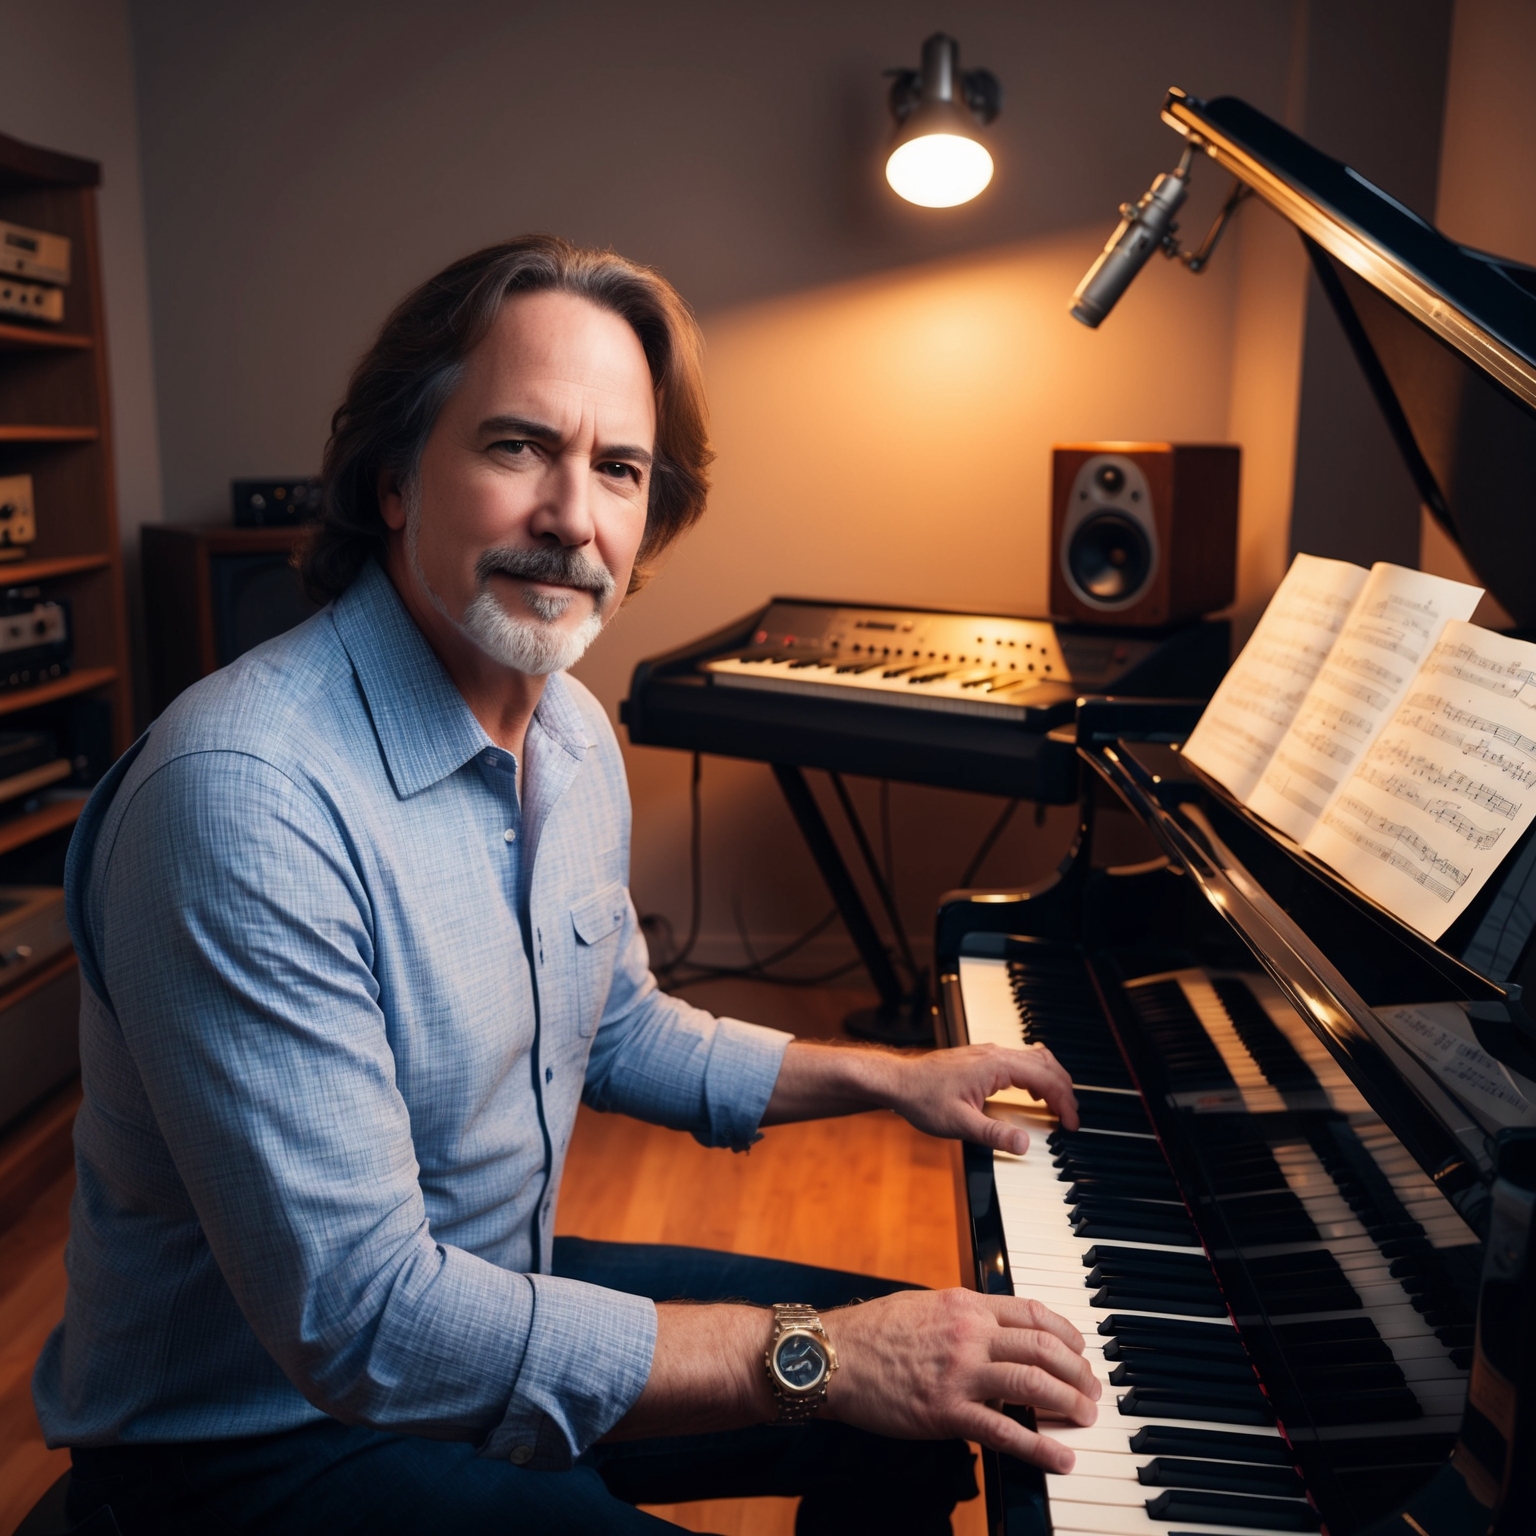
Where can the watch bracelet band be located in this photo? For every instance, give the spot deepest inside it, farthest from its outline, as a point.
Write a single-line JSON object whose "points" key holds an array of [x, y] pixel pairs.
{"points": [[796, 1409]]}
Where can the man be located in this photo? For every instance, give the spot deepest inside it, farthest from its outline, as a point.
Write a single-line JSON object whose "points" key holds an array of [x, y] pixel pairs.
{"points": [[355, 939]]}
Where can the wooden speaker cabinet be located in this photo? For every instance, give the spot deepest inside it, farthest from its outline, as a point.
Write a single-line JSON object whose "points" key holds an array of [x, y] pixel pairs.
{"points": [[211, 592], [1143, 534]]}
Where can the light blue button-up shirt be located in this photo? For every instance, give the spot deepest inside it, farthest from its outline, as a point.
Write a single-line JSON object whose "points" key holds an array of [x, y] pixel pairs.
{"points": [[342, 995]]}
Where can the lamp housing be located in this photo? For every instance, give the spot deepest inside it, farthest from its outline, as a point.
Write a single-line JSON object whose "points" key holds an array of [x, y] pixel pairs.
{"points": [[938, 159]]}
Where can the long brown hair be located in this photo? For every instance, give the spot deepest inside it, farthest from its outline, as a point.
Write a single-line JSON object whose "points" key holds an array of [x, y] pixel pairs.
{"points": [[407, 375]]}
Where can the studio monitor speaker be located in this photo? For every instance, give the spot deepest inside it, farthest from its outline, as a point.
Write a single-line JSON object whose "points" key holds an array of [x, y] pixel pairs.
{"points": [[211, 592], [1142, 534]]}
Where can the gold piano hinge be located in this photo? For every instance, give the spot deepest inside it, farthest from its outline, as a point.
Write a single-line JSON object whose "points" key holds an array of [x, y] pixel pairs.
{"points": [[1413, 1525]]}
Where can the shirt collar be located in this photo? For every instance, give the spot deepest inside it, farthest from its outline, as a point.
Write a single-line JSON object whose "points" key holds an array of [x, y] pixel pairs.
{"points": [[425, 729]]}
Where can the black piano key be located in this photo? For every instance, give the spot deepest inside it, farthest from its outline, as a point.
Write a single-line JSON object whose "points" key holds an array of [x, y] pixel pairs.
{"points": [[1197, 1375], [1373, 1351], [1105, 1149], [1147, 1258], [1192, 1403], [1158, 1365], [1461, 1357], [1171, 1333], [1102, 1269], [1138, 1186], [1124, 1293], [1331, 1406], [1324, 1332], [1125, 1229], [1112, 1112], [1220, 1476], [1183, 1356], [1286, 1301], [1348, 1376], [1169, 1440], [1227, 1509], [1190, 1356]]}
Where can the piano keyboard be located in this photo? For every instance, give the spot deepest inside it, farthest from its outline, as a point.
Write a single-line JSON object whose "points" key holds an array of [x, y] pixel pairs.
{"points": [[972, 664], [1344, 1303], [961, 687]]}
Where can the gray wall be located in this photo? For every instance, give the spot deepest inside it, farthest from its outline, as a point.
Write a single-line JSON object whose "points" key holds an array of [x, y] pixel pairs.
{"points": [[1375, 98], [66, 82], [306, 163]]}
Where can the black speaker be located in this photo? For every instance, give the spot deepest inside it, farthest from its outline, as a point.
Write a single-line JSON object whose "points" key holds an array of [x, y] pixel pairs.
{"points": [[211, 593]]}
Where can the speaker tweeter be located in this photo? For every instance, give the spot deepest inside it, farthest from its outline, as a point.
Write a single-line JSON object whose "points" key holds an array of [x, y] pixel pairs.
{"points": [[1143, 534]]}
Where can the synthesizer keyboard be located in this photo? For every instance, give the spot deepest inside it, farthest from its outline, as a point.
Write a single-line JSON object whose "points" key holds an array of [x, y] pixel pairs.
{"points": [[963, 701]]}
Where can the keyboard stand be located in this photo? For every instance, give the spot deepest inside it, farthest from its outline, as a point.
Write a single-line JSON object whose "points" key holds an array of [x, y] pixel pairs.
{"points": [[903, 1017]]}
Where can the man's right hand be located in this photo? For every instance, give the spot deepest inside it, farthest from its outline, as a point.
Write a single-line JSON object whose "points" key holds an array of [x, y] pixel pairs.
{"points": [[930, 1365]]}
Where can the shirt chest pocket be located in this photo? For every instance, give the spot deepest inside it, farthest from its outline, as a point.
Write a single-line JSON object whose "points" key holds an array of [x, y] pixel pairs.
{"points": [[598, 921]]}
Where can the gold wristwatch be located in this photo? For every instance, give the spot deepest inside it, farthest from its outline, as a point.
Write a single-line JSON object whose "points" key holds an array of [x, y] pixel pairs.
{"points": [[800, 1362]]}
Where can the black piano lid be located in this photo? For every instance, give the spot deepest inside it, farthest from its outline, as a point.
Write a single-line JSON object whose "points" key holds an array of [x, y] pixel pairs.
{"points": [[1335, 953], [1445, 335]]}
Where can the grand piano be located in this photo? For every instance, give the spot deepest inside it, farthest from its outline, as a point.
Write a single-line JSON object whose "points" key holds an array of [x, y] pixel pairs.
{"points": [[1300, 1251]]}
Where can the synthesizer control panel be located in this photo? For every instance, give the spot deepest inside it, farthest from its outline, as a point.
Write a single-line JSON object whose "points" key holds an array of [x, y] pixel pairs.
{"points": [[953, 663]]}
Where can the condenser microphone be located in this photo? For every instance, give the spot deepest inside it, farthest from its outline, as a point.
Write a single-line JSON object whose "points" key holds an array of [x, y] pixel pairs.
{"points": [[1145, 227]]}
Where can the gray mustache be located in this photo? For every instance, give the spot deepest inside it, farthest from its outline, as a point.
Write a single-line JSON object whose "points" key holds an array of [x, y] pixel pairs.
{"points": [[558, 566]]}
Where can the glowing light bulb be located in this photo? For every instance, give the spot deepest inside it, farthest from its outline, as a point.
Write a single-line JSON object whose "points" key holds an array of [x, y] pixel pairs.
{"points": [[939, 170]]}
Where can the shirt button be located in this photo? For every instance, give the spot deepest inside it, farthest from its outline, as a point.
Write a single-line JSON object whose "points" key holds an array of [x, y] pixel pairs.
{"points": [[521, 1455], [490, 758], [510, 835]]}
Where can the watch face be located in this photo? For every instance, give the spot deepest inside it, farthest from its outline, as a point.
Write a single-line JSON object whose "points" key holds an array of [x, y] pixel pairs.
{"points": [[800, 1361]]}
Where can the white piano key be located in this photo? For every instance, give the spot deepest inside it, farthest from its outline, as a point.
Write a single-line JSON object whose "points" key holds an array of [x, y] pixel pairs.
{"points": [[1069, 1517], [991, 1015], [1082, 1487]]}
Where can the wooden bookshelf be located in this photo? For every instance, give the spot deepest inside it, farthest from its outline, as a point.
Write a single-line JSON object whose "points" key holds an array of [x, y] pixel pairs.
{"points": [[40, 434], [29, 338], [28, 828], [24, 573], [89, 680], [55, 425]]}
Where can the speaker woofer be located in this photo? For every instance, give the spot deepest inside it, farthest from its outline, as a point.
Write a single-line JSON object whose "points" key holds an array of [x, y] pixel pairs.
{"points": [[1109, 558]]}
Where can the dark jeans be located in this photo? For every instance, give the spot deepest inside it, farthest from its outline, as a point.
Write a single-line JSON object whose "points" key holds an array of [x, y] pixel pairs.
{"points": [[330, 1478]]}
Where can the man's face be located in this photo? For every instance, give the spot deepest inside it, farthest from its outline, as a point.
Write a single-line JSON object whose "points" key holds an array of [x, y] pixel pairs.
{"points": [[529, 504]]}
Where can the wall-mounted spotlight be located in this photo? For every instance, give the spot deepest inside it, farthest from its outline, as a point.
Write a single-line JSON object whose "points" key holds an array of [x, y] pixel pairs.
{"points": [[938, 159]]}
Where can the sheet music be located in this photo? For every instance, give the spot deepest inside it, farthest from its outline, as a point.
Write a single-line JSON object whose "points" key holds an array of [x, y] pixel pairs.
{"points": [[1395, 622], [1257, 700], [1440, 1035], [1448, 786]]}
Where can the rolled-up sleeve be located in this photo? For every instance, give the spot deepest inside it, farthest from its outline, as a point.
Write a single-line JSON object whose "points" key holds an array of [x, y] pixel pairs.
{"points": [[660, 1059], [242, 977]]}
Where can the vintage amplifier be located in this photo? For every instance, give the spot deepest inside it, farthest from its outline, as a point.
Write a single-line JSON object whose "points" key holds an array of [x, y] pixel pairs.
{"points": [[35, 638], [18, 517], [31, 301], [33, 253]]}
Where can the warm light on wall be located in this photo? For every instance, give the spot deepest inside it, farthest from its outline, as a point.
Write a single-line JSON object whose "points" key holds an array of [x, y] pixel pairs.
{"points": [[939, 160]]}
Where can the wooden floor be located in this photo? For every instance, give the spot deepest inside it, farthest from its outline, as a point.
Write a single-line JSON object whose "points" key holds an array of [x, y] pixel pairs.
{"points": [[866, 1193]]}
